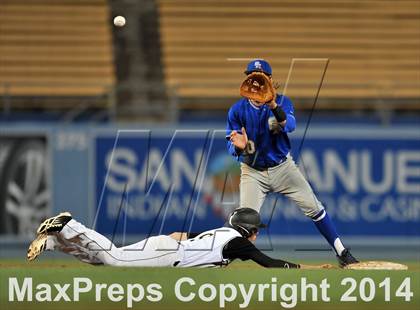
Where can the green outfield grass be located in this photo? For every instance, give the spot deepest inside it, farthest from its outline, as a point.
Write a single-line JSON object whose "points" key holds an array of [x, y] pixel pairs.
{"points": [[63, 271]]}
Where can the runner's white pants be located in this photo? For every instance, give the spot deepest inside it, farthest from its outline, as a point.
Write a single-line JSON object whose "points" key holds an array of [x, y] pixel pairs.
{"points": [[91, 247]]}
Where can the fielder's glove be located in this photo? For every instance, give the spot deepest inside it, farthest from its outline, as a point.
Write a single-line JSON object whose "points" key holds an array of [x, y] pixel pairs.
{"points": [[259, 87]]}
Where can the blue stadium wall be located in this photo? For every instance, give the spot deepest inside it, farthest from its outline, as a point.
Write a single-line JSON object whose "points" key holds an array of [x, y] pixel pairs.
{"points": [[368, 178]]}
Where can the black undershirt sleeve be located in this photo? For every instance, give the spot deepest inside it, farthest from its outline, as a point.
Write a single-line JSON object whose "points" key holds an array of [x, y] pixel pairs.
{"points": [[279, 114], [243, 249]]}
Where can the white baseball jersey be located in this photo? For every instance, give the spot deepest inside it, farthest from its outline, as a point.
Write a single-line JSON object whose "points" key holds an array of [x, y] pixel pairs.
{"points": [[206, 249]]}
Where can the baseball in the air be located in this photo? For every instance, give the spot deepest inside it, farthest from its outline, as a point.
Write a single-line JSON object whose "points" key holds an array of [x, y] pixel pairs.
{"points": [[119, 21]]}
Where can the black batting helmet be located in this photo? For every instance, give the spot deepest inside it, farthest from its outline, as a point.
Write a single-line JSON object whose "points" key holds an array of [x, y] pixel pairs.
{"points": [[246, 221]]}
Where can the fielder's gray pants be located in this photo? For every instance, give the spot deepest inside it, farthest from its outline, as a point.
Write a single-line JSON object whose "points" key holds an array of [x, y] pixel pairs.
{"points": [[285, 179]]}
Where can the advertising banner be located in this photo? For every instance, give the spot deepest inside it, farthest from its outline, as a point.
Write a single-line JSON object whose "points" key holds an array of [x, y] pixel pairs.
{"points": [[163, 181], [25, 187]]}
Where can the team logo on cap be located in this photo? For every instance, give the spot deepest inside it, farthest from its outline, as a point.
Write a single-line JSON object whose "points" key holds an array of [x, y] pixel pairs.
{"points": [[257, 65]]}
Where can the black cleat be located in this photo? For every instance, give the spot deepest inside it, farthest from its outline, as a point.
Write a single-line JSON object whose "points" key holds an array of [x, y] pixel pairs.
{"points": [[54, 224], [346, 259]]}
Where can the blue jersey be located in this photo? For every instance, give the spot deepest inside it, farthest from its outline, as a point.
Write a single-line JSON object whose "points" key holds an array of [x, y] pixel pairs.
{"points": [[271, 141]]}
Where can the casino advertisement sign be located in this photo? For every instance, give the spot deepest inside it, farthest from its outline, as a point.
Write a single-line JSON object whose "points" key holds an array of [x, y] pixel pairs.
{"points": [[159, 181]]}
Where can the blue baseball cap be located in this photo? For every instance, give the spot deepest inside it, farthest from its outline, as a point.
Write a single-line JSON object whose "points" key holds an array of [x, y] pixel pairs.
{"points": [[260, 65]]}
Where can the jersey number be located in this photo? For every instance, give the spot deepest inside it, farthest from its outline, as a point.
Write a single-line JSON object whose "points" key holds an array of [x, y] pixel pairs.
{"points": [[205, 235]]}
